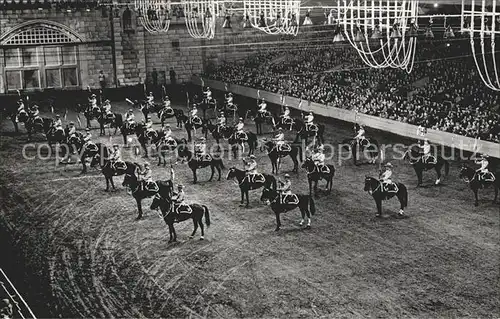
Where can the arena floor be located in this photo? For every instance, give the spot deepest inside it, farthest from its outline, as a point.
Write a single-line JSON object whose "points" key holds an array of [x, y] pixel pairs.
{"points": [[86, 256]]}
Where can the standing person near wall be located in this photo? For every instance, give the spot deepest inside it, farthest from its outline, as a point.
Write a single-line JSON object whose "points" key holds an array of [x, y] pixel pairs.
{"points": [[102, 80]]}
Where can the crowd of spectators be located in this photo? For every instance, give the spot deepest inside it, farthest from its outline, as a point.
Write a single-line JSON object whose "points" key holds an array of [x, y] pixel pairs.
{"points": [[443, 92]]}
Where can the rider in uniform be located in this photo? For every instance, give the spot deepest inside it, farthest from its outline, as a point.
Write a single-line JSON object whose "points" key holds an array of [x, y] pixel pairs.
{"points": [[201, 149], [483, 170], [193, 114], [145, 176], [279, 139], [221, 121], [309, 120], [262, 107], [229, 99], [167, 131], [72, 130], [426, 151], [116, 155], [107, 108], [33, 113], [57, 125], [207, 94], [20, 108], [129, 117], [178, 198], [285, 188], [319, 159], [167, 108], [360, 137], [150, 99], [250, 165], [385, 176], [87, 139]]}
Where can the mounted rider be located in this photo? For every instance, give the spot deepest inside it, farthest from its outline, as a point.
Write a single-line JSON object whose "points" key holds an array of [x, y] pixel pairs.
{"points": [[318, 158], [34, 114], [262, 108], [92, 102], [149, 127], [193, 115], [221, 122], [240, 133], [427, 157], [150, 99], [309, 121], [57, 124], [167, 108], [229, 99], [178, 201], [385, 179], [200, 150], [20, 109], [87, 139], [115, 156], [250, 165], [145, 178], [279, 139], [360, 136], [483, 173], [207, 95], [285, 190], [130, 118], [106, 107], [71, 130]]}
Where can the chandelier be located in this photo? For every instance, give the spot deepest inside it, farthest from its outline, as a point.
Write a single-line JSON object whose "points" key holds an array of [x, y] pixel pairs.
{"points": [[201, 17], [382, 32], [154, 15], [273, 16], [481, 19]]}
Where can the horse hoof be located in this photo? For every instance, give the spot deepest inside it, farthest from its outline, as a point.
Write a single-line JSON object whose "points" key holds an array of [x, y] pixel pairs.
{"points": [[202, 238], [277, 228], [138, 218], [476, 204], [106, 190], [191, 237], [378, 215]]}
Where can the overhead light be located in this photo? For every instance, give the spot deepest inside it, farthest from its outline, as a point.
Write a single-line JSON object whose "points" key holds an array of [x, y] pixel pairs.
{"points": [[436, 4]]}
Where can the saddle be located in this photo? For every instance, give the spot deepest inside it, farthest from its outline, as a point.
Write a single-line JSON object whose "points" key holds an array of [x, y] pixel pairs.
{"points": [[289, 199], [256, 178], [204, 158], [323, 169], [183, 209], [285, 147], [110, 115], [150, 186], [170, 141], [311, 127], [242, 136], [286, 120], [150, 133], [264, 114], [390, 187], [428, 159], [35, 120], [119, 165], [196, 120], [168, 111], [486, 176], [91, 147]]}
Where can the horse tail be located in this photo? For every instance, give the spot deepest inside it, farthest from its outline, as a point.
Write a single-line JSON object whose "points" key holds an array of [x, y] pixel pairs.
{"points": [[404, 198], [312, 205], [207, 215], [446, 167]]}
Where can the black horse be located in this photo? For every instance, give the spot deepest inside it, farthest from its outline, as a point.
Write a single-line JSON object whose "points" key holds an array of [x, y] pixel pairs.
{"points": [[190, 126], [317, 131], [90, 113], [141, 191], [470, 175], [419, 166], [293, 150], [170, 216], [206, 105], [314, 175], [304, 202], [218, 132], [114, 120], [375, 188], [53, 136], [369, 147], [163, 147], [263, 118], [196, 163], [245, 183], [163, 115], [238, 140], [34, 125], [108, 169], [89, 151]]}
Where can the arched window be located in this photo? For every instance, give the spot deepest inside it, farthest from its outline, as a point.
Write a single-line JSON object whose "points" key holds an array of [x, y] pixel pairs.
{"points": [[127, 20], [40, 54]]}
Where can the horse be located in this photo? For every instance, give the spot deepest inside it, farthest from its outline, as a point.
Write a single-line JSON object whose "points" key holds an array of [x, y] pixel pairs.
{"points": [[163, 116], [146, 107], [162, 147], [369, 146], [304, 202], [53, 136], [260, 119], [167, 213], [90, 113], [140, 190], [237, 141], [34, 125], [108, 170], [206, 105], [144, 136], [415, 159], [89, 151], [275, 155], [285, 123], [374, 187], [195, 163], [115, 121], [470, 176], [245, 183], [314, 175], [189, 126], [217, 132], [303, 134], [10, 109]]}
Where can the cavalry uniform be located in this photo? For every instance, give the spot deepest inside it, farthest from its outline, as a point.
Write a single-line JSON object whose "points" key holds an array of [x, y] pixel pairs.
{"points": [[57, 125], [34, 113], [262, 107], [20, 108], [87, 139], [207, 94], [484, 173], [167, 133], [167, 109], [146, 178], [221, 121], [72, 130], [286, 113], [240, 126], [426, 152], [201, 149], [279, 139], [385, 178], [178, 200], [309, 120], [150, 98], [319, 160], [361, 134], [130, 117], [107, 107], [229, 99], [285, 189], [115, 156], [92, 102], [250, 165]]}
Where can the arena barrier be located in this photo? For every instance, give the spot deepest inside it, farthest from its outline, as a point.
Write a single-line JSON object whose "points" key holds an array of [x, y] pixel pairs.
{"points": [[395, 127]]}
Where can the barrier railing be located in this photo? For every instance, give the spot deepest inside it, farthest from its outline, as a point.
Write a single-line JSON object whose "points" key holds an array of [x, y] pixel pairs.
{"points": [[20, 308], [383, 124]]}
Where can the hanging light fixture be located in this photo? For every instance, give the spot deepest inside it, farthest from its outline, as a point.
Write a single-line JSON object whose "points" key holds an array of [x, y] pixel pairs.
{"points": [[201, 17], [391, 22], [480, 19], [273, 16], [154, 15]]}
